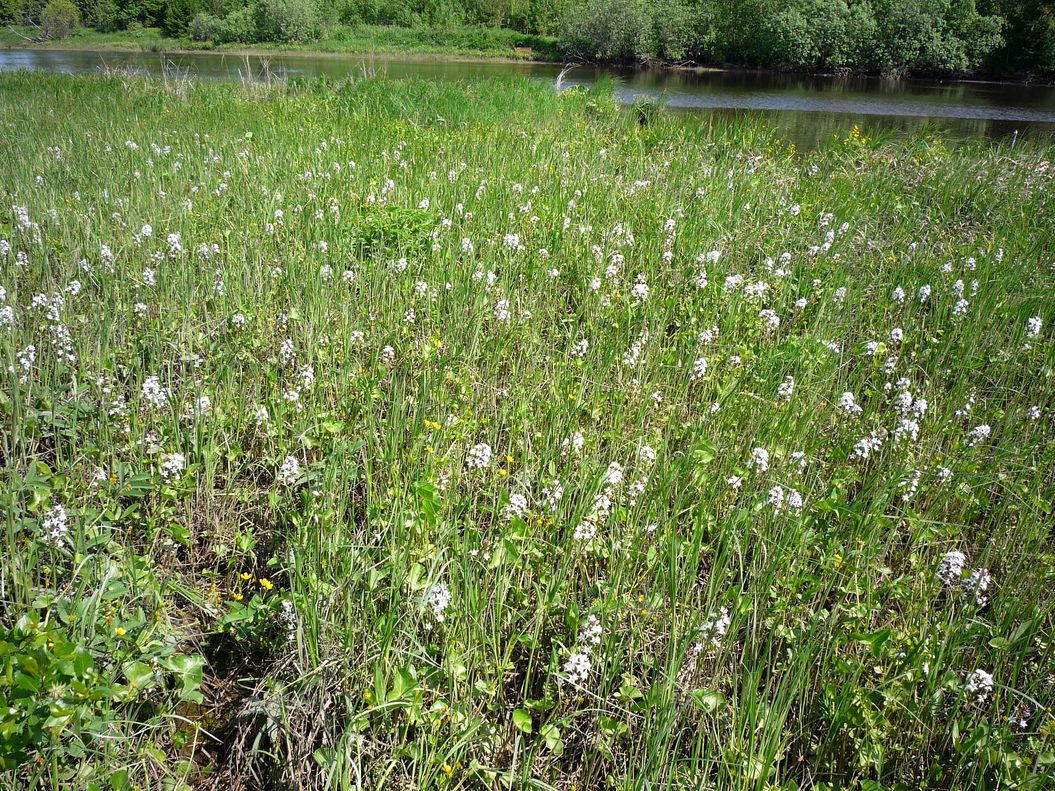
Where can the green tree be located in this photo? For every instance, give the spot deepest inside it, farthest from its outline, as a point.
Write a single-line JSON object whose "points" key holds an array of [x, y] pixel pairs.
{"points": [[178, 14], [286, 20], [619, 31], [1028, 49], [58, 18], [933, 35]]}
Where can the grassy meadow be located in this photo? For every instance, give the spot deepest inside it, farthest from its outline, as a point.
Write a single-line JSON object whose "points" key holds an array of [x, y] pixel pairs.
{"points": [[407, 435], [454, 42]]}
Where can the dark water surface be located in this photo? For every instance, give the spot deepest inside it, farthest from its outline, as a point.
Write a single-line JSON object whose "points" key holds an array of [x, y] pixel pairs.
{"points": [[807, 109]]}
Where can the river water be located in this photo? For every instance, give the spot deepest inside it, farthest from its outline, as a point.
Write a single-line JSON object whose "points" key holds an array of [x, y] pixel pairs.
{"points": [[807, 109]]}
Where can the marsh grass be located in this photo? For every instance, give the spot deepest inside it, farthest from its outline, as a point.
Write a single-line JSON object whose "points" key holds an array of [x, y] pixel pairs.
{"points": [[333, 598]]}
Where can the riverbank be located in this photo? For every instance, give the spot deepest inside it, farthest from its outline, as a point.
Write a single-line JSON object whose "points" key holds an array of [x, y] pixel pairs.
{"points": [[470, 44], [456, 44]]}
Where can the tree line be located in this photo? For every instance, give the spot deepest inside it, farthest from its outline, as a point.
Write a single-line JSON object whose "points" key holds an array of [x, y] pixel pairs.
{"points": [[955, 37]]}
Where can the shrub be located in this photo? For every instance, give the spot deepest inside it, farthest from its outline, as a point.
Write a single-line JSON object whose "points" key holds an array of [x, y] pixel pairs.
{"points": [[676, 29], [609, 30], [286, 20], [203, 27], [58, 18], [10, 12], [238, 26]]}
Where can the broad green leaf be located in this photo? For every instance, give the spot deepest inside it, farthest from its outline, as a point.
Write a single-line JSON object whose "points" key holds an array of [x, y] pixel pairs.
{"points": [[522, 720]]}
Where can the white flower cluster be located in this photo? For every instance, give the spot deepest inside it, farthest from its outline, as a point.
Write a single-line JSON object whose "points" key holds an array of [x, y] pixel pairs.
{"points": [[699, 369], [910, 410], [714, 628], [172, 464], [951, 572], [951, 566], [601, 509], [633, 355], [573, 444], [289, 471], [154, 394], [56, 526], [782, 499], [770, 319], [848, 405], [979, 684], [552, 495], [577, 666], [517, 508], [759, 460], [787, 388], [438, 599], [978, 434], [479, 457], [866, 446]]}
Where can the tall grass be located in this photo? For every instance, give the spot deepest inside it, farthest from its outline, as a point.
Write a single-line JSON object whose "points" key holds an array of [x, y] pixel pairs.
{"points": [[291, 562]]}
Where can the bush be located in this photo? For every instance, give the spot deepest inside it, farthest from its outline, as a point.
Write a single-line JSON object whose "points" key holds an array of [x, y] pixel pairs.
{"points": [[203, 27], [947, 36], [58, 18], [676, 30], [10, 12], [610, 30], [286, 20], [237, 27]]}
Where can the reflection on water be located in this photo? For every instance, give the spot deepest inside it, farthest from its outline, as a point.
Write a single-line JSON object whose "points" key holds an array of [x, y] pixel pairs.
{"points": [[807, 109]]}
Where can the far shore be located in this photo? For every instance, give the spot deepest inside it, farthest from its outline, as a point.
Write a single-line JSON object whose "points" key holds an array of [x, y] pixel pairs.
{"points": [[337, 49]]}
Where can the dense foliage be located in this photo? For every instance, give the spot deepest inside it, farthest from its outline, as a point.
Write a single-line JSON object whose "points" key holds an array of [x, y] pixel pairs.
{"points": [[395, 435], [890, 36], [997, 37]]}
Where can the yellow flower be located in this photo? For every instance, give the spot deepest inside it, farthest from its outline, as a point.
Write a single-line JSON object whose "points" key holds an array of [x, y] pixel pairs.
{"points": [[246, 576], [238, 597], [503, 471], [120, 632], [265, 583], [509, 459], [448, 769]]}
